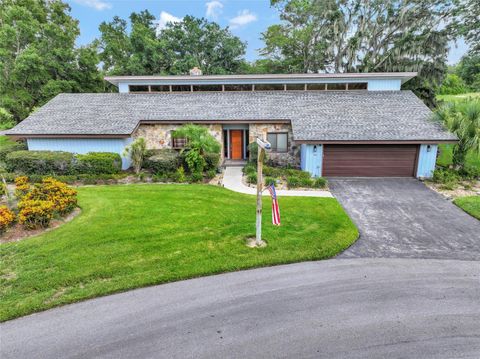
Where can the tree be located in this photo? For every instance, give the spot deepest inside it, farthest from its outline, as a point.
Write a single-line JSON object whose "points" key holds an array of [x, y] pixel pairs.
{"points": [[38, 58], [360, 36], [462, 119], [452, 85], [469, 70], [199, 142], [173, 50], [468, 25]]}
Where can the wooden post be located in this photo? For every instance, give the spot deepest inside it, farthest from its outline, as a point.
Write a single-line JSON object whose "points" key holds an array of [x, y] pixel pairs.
{"points": [[260, 157]]}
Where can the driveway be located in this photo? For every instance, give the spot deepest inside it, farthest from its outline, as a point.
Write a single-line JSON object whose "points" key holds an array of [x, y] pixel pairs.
{"points": [[403, 218], [349, 308]]}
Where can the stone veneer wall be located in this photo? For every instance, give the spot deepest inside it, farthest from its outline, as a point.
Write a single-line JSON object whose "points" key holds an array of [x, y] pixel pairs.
{"points": [[160, 136], [291, 157]]}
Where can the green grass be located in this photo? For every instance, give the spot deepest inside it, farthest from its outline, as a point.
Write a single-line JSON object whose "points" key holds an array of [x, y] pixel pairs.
{"points": [[460, 97], [470, 204], [445, 157], [130, 236]]}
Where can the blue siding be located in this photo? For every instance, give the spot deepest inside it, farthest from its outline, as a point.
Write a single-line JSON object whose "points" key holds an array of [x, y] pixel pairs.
{"points": [[82, 145], [384, 85], [311, 157], [426, 160]]}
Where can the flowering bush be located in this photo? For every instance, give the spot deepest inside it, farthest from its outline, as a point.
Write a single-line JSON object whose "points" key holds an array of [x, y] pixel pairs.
{"points": [[40, 203], [35, 213], [6, 218], [22, 187]]}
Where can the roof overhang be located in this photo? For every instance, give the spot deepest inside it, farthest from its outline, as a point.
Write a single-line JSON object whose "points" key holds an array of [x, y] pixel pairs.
{"points": [[261, 78], [375, 142]]}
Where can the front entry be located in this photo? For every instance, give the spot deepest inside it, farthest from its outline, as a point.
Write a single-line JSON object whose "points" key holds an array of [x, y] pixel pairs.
{"points": [[236, 144]]}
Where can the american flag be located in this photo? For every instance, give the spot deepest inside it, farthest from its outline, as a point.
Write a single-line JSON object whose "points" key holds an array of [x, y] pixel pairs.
{"points": [[275, 209]]}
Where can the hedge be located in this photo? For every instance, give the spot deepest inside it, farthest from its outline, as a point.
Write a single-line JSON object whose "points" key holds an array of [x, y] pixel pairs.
{"points": [[163, 161], [62, 163], [40, 162], [11, 147], [99, 163]]}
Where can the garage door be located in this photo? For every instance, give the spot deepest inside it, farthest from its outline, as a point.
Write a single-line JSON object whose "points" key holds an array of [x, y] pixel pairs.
{"points": [[369, 160]]}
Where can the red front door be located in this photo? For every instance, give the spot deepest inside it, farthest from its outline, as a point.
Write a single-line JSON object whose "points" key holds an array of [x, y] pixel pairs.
{"points": [[236, 144]]}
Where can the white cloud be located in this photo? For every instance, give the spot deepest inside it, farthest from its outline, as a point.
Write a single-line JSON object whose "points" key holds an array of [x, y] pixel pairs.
{"points": [[164, 19], [243, 18], [96, 4], [214, 8]]}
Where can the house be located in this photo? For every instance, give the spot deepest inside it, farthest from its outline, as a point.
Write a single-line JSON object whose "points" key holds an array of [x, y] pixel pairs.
{"points": [[351, 124]]}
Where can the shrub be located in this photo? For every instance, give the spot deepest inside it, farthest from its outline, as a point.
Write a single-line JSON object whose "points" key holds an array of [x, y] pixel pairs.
{"points": [[211, 173], [293, 182], [99, 162], [305, 182], [179, 175], [249, 168], [35, 213], [163, 162], [40, 162], [195, 161], [196, 177], [269, 181], [252, 178], [253, 153], [22, 187], [11, 147], [448, 178], [136, 151], [7, 217], [320, 182], [211, 161]]}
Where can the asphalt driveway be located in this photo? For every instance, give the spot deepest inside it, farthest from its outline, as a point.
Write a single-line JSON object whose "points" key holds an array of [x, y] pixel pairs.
{"points": [[403, 218]]}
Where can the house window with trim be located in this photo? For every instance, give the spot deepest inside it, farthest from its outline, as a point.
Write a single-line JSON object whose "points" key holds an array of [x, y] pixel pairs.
{"points": [[279, 141], [178, 142]]}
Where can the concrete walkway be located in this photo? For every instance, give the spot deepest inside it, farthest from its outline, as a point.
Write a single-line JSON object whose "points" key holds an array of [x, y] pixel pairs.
{"points": [[232, 179]]}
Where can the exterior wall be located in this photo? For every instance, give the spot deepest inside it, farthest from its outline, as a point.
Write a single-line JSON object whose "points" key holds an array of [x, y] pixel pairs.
{"points": [[123, 87], [82, 145], [291, 157], [160, 136], [427, 157], [311, 159], [384, 85]]}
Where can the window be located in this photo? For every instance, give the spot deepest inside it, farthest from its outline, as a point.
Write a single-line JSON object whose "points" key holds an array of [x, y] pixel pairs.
{"points": [[357, 86], [178, 142], [207, 87], [278, 141], [336, 87], [269, 87], [295, 87], [316, 87], [138, 88], [160, 88], [238, 87], [181, 88]]}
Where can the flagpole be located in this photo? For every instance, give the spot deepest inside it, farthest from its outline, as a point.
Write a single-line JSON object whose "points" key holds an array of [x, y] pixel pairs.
{"points": [[260, 157]]}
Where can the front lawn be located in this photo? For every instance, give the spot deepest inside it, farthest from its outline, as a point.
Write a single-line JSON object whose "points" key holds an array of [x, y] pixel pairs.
{"points": [[470, 204], [138, 235]]}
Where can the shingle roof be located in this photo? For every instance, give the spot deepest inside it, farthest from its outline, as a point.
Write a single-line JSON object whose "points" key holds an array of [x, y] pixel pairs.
{"points": [[328, 116]]}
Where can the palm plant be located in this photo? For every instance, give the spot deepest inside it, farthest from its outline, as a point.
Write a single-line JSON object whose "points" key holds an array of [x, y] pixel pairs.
{"points": [[462, 119], [136, 151]]}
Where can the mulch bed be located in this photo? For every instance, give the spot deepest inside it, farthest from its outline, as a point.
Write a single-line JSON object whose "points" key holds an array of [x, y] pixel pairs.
{"points": [[17, 232]]}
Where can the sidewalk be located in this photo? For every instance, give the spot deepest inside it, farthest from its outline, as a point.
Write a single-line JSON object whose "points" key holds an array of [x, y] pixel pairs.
{"points": [[232, 179]]}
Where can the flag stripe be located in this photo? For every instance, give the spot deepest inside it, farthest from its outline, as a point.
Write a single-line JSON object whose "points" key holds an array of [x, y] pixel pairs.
{"points": [[275, 207]]}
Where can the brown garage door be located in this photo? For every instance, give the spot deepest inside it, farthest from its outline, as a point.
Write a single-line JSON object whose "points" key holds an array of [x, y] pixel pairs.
{"points": [[369, 160]]}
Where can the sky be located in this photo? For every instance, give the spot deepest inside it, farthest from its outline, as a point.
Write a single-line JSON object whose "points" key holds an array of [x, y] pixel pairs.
{"points": [[247, 19]]}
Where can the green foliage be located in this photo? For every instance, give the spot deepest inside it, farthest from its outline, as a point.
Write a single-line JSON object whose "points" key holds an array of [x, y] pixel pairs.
{"points": [[211, 174], [164, 161], [469, 70], [447, 177], [346, 36], [38, 56], [6, 119], [269, 181], [10, 146], [463, 119], [40, 162], [195, 161], [306, 182], [99, 162], [136, 151], [320, 182], [250, 168], [173, 50], [452, 85], [252, 178], [211, 161], [196, 177], [293, 182], [253, 151], [180, 175]]}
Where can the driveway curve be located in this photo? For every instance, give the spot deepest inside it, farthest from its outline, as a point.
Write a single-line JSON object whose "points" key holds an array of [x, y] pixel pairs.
{"points": [[341, 308]]}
